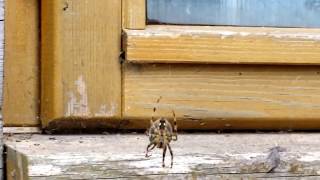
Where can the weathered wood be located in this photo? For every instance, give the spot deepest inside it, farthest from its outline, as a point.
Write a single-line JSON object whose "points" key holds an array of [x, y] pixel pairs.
{"points": [[21, 78], [202, 44], [21, 130], [134, 14], [16, 164], [1, 49], [1, 83], [223, 96], [279, 13], [199, 156], [1, 150], [81, 74]]}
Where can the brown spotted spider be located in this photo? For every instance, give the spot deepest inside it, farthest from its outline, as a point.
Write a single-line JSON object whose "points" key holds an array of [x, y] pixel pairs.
{"points": [[160, 135]]}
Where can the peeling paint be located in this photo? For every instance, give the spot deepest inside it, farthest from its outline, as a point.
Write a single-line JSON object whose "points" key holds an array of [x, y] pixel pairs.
{"points": [[212, 31], [78, 103], [107, 112]]}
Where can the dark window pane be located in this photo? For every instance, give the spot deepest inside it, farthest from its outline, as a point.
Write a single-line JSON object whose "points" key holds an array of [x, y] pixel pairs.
{"points": [[278, 13]]}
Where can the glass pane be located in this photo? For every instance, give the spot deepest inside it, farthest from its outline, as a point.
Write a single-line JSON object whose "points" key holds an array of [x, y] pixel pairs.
{"points": [[276, 13]]}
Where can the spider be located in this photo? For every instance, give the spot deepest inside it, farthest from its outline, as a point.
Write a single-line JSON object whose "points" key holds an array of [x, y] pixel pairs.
{"points": [[160, 135]]}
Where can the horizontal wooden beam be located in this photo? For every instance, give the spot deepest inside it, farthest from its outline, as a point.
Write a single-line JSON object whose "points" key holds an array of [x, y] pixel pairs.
{"points": [[202, 44], [223, 96]]}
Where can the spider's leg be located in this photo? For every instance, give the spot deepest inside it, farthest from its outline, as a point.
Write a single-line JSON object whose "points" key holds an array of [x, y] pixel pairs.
{"points": [[164, 155], [171, 153], [175, 127], [154, 145], [152, 116], [154, 110]]}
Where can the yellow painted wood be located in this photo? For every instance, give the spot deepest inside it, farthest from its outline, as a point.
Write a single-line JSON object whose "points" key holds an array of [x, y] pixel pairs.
{"points": [[203, 44], [223, 96], [21, 66], [81, 74], [134, 14]]}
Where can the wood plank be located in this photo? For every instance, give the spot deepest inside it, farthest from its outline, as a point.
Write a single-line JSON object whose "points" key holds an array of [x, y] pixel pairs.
{"points": [[202, 44], [21, 78], [276, 13], [1, 83], [223, 96], [81, 74], [1, 49], [134, 14], [202, 156]]}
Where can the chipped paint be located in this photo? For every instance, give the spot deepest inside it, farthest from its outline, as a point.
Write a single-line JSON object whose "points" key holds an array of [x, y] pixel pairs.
{"points": [[176, 32], [107, 112], [78, 102]]}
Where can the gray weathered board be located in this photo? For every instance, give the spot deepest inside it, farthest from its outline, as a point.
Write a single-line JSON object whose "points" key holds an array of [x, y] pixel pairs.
{"points": [[279, 13], [196, 156], [1, 81], [1, 47]]}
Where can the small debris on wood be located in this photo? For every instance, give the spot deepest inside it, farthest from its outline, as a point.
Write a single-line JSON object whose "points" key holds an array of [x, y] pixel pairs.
{"points": [[274, 157]]}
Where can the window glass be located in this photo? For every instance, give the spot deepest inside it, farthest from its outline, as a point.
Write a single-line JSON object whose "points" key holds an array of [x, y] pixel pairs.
{"points": [[275, 13]]}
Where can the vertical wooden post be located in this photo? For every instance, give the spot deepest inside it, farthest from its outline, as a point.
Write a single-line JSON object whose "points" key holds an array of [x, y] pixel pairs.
{"points": [[134, 14], [81, 74], [21, 66]]}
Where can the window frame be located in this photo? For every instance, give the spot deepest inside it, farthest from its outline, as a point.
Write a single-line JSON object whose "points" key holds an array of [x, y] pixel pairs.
{"points": [[145, 43]]}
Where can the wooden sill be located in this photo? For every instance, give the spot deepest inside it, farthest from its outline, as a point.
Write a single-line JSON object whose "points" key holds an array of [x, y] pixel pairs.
{"points": [[196, 156], [223, 45]]}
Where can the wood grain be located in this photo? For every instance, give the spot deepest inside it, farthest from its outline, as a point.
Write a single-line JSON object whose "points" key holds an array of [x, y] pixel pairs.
{"points": [[81, 74], [21, 67], [223, 96], [16, 165], [1, 49], [196, 156], [1, 83], [235, 45], [134, 14]]}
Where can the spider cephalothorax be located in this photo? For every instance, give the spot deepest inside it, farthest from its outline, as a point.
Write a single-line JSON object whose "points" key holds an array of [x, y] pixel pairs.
{"points": [[160, 135]]}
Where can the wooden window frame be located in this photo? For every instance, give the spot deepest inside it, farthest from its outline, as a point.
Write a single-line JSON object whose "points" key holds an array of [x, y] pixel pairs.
{"points": [[215, 44], [134, 14]]}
